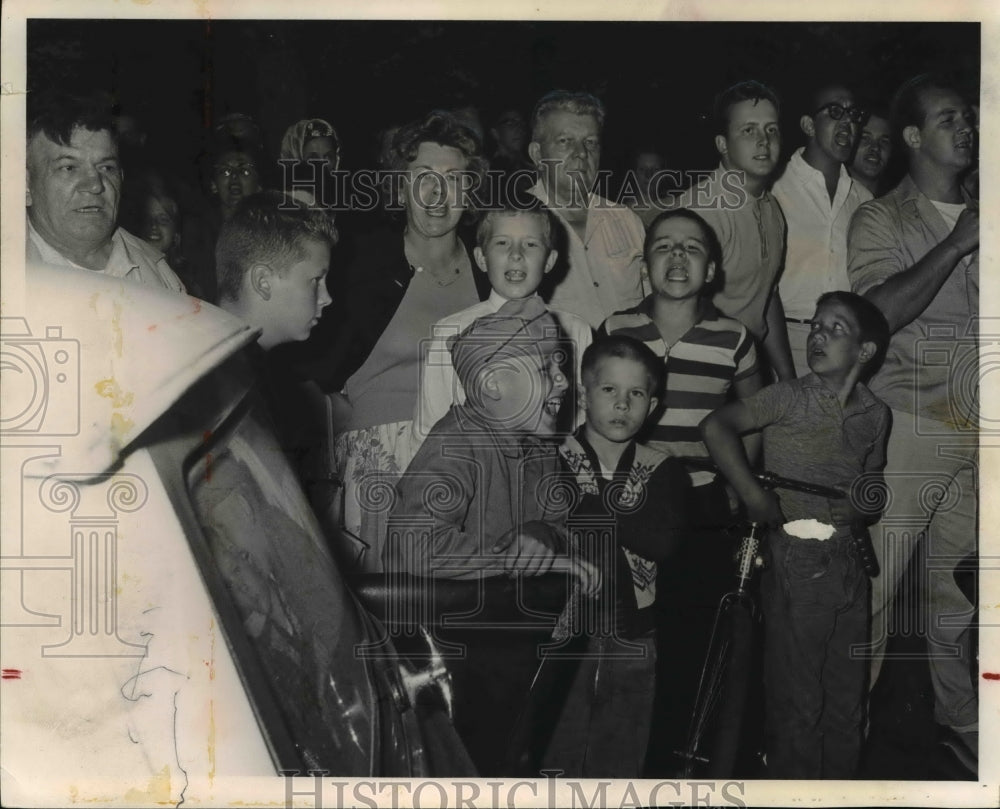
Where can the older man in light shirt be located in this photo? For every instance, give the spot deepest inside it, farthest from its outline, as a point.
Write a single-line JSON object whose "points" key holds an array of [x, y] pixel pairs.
{"points": [[74, 183], [604, 240]]}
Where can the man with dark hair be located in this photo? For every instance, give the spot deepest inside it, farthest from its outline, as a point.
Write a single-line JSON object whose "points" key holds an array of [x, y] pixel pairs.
{"points": [[747, 219], [74, 184], [604, 239], [818, 198], [915, 254], [871, 158]]}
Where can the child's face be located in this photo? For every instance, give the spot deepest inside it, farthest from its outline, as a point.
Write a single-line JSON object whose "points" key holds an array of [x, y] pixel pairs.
{"points": [[677, 259], [516, 256], [298, 297], [530, 391], [834, 345], [752, 140], [159, 228], [617, 399]]}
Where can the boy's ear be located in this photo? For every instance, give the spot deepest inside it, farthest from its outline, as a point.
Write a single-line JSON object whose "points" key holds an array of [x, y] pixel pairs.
{"points": [[535, 152], [807, 125], [260, 281], [710, 272], [213, 187], [480, 257], [720, 144], [550, 262], [868, 349], [489, 385], [654, 402], [911, 136]]}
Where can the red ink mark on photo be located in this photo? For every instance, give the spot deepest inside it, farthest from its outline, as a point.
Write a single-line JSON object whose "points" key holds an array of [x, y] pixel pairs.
{"points": [[990, 675], [10, 674]]}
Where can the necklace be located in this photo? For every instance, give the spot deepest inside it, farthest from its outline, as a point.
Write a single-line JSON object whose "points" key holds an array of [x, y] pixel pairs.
{"points": [[447, 279], [441, 278]]}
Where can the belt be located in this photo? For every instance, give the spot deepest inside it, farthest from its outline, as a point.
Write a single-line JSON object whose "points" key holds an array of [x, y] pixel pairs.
{"points": [[797, 320]]}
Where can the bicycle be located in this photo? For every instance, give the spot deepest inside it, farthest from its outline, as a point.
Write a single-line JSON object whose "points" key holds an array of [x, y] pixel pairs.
{"points": [[716, 746]]}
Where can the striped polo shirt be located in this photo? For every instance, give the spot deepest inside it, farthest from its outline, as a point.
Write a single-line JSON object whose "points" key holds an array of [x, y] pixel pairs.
{"points": [[701, 368]]}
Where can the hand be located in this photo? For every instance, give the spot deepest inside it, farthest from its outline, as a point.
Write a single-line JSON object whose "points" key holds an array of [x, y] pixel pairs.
{"points": [[843, 512], [763, 507], [536, 548], [965, 235], [530, 548]]}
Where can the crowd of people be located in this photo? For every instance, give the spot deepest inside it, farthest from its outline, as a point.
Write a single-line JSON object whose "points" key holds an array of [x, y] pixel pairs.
{"points": [[796, 314]]}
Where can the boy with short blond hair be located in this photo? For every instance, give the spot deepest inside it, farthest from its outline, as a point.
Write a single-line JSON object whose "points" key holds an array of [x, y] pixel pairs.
{"points": [[516, 248], [272, 258], [630, 513]]}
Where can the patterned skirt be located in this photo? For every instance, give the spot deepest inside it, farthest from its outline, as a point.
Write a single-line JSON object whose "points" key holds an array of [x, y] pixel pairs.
{"points": [[370, 461]]}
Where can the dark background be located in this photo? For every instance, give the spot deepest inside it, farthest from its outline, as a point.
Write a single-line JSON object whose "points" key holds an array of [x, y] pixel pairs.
{"points": [[657, 79]]}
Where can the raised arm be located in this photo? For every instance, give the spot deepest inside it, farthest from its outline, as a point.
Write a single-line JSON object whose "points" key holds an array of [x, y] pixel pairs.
{"points": [[775, 345], [878, 271]]}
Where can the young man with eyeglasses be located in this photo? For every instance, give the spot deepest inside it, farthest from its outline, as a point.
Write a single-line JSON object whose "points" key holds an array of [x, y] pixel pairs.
{"points": [[818, 197]]}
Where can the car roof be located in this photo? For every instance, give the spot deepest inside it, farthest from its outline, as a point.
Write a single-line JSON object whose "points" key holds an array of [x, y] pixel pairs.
{"points": [[111, 356]]}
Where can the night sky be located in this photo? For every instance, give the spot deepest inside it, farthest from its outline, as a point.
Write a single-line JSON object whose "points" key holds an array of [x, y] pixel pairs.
{"points": [[657, 79]]}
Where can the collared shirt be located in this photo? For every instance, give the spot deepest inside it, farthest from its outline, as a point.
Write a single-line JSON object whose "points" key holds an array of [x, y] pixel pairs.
{"points": [[816, 252], [440, 387], [604, 273], [808, 436], [931, 368], [701, 368], [751, 231], [130, 258]]}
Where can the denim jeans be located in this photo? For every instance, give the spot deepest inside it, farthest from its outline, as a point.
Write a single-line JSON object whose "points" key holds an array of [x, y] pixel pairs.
{"points": [[816, 606], [603, 729]]}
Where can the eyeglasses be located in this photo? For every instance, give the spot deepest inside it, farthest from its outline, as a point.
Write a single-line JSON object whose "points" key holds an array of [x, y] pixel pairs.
{"points": [[836, 112], [243, 169]]}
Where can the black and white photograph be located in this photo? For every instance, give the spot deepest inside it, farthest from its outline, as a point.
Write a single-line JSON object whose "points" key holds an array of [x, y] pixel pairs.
{"points": [[550, 405]]}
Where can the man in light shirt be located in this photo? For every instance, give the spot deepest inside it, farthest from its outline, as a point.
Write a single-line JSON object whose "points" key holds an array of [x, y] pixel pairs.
{"points": [[736, 201], [604, 240], [74, 183], [915, 254], [818, 198]]}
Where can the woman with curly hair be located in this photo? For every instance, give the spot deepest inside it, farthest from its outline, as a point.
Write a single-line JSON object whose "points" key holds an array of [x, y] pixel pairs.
{"points": [[401, 281]]}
